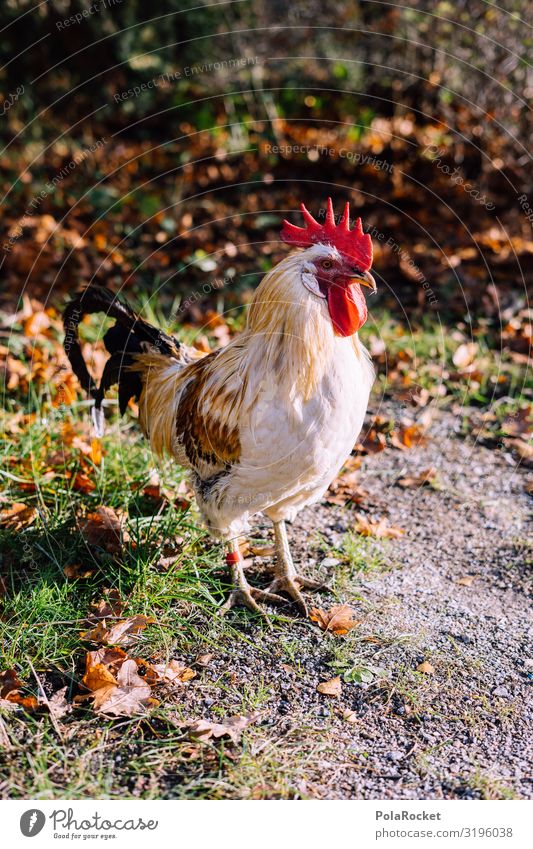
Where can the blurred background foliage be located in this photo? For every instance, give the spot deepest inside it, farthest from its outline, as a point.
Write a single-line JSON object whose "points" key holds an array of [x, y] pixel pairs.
{"points": [[438, 58], [158, 147]]}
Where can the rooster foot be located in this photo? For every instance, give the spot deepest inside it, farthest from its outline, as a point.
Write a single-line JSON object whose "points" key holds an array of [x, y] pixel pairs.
{"points": [[291, 584], [243, 595], [286, 578]]}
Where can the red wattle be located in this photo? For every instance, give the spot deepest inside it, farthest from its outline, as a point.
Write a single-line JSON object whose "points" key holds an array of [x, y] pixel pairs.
{"points": [[347, 308]]}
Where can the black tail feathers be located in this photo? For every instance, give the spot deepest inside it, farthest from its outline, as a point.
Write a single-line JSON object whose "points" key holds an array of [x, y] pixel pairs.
{"points": [[122, 340]]}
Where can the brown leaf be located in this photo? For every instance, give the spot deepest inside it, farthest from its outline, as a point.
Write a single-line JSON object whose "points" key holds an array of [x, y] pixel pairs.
{"points": [[344, 491], [333, 687], [9, 681], [58, 705], [75, 572], [98, 676], [112, 657], [17, 516], [204, 659], [350, 716], [408, 436], [37, 323], [466, 580], [373, 443], [465, 354], [104, 528], [428, 476], [519, 424], [338, 620], [126, 695], [153, 491], [263, 550], [96, 451], [523, 449], [352, 464], [10, 687], [233, 727], [379, 530], [174, 671], [122, 633], [426, 668], [111, 605], [81, 482]]}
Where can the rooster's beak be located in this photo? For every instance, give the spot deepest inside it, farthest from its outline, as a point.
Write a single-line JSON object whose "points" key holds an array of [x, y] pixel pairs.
{"points": [[364, 278]]}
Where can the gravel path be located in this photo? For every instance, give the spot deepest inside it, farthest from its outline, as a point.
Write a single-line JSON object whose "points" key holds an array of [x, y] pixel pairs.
{"points": [[454, 594]]}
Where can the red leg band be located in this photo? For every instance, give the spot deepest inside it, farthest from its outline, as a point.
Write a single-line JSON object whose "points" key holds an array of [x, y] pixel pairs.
{"points": [[233, 557]]}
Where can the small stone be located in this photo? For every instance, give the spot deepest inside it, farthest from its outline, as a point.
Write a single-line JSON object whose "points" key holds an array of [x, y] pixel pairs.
{"points": [[502, 693], [395, 755], [329, 562]]}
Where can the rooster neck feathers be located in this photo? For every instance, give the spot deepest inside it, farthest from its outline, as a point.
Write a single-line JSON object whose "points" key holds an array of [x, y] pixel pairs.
{"points": [[288, 338]]}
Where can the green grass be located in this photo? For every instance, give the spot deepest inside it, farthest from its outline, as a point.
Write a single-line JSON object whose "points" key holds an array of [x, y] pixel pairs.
{"points": [[421, 357]]}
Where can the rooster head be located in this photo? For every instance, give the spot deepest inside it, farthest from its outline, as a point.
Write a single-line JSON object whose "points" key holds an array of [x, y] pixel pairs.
{"points": [[335, 265]]}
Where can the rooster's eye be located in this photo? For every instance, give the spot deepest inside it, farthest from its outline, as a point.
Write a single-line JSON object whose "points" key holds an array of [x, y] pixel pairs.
{"points": [[327, 263]]}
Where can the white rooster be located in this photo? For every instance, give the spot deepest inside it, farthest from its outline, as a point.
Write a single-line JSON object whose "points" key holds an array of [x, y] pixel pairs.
{"points": [[265, 423]]}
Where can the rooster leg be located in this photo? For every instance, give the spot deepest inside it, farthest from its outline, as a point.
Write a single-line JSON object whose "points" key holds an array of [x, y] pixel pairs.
{"points": [[286, 577], [242, 593]]}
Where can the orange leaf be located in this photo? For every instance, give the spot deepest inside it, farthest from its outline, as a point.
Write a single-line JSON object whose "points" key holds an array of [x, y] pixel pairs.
{"points": [[379, 530], [75, 571], [17, 516], [338, 620], [96, 451], [333, 687], [123, 633], [428, 477]]}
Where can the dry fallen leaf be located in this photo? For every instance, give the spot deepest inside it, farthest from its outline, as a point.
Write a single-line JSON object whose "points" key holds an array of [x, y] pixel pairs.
{"points": [[204, 659], [333, 687], [36, 323], [350, 716], [345, 491], [519, 424], [153, 491], [17, 516], [112, 657], [373, 442], [10, 687], [75, 571], [523, 449], [426, 668], [338, 620], [204, 729], [466, 580], [125, 695], [81, 482], [174, 671], [465, 354], [104, 528], [408, 436], [96, 451], [263, 550], [111, 605], [380, 530], [58, 705], [123, 633], [428, 476]]}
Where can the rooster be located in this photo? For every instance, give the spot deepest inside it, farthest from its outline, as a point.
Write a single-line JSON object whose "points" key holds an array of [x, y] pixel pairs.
{"points": [[265, 423]]}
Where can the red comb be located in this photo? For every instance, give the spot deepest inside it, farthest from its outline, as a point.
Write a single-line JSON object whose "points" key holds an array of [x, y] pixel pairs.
{"points": [[353, 243]]}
